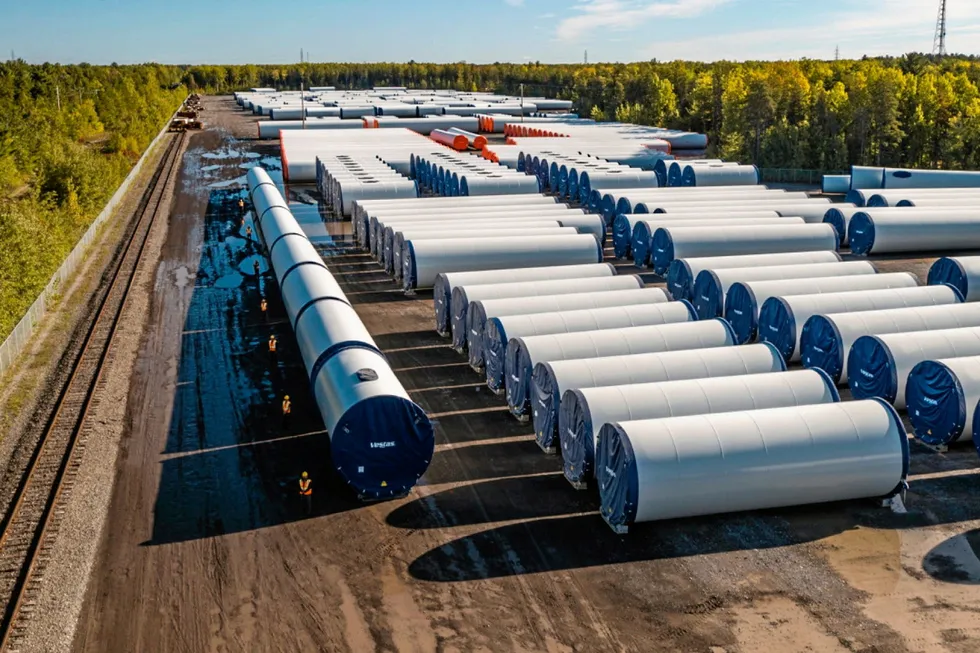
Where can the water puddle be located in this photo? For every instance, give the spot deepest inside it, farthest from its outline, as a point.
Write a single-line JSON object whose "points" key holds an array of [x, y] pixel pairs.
{"points": [[224, 154], [247, 266], [183, 277], [237, 181], [233, 280]]}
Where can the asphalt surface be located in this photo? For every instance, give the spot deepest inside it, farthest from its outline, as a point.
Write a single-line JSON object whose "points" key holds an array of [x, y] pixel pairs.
{"points": [[208, 548]]}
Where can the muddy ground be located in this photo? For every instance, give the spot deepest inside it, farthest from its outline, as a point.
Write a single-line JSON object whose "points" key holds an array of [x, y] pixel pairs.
{"points": [[207, 548]]}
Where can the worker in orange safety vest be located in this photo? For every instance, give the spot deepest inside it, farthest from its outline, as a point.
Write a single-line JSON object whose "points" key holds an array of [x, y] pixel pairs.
{"points": [[306, 491], [287, 410], [264, 307]]}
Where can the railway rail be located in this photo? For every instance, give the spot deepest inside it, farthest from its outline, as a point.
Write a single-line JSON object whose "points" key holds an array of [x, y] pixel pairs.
{"points": [[28, 526]]}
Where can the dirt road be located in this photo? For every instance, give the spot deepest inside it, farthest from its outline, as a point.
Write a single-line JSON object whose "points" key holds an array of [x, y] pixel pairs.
{"points": [[208, 549]]}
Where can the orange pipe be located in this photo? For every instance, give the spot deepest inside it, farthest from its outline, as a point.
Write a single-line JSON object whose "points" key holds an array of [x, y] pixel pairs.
{"points": [[456, 141]]}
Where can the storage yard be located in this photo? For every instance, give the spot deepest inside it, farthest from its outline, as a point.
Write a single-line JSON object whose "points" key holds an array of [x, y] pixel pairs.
{"points": [[560, 386]]}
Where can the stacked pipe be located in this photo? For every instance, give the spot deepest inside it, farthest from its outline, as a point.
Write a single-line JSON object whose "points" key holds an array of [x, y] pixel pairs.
{"points": [[500, 331], [394, 245], [827, 340], [552, 381], [721, 199], [446, 282], [781, 318], [879, 365], [609, 132], [423, 260], [670, 243], [466, 328], [712, 285], [300, 149], [658, 469], [585, 411], [886, 231], [941, 396], [451, 174], [381, 108], [367, 212], [863, 177], [612, 202], [387, 240], [524, 353], [683, 271], [343, 179], [381, 442], [720, 175], [643, 229], [960, 272], [745, 298]]}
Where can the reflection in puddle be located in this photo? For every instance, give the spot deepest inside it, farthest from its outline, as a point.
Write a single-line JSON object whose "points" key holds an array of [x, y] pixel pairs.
{"points": [[247, 266], [226, 154], [237, 181], [232, 280]]}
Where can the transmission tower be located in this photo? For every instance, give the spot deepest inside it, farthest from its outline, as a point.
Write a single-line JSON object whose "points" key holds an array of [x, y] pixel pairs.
{"points": [[939, 42], [586, 57]]}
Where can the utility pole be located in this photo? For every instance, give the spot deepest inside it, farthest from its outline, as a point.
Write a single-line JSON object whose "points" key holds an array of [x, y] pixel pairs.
{"points": [[939, 41], [522, 102]]}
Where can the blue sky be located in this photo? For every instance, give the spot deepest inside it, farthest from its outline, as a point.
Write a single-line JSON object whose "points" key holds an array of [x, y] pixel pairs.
{"points": [[479, 31]]}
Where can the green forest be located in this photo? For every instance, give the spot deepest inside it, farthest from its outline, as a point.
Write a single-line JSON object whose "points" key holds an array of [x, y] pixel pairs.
{"points": [[69, 134], [68, 137], [913, 110]]}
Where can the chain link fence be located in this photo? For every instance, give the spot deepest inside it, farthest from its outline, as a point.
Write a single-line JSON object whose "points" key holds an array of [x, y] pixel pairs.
{"points": [[20, 337]]}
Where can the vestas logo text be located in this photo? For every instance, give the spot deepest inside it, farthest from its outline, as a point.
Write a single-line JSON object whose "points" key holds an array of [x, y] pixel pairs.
{"points": [[382, 445]]}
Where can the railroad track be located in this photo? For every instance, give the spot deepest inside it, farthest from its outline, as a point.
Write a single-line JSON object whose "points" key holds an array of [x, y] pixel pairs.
{"points": [[28, 527]]}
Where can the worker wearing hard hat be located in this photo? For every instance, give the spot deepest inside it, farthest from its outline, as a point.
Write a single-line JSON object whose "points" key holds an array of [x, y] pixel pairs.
{"points": [[264, 307], [306, 491], [287, 410], [273, 350]]}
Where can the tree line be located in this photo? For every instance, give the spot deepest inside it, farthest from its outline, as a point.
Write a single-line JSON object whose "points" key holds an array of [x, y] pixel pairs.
{"points": [[914, 110], [69, 134], [68, 137]]}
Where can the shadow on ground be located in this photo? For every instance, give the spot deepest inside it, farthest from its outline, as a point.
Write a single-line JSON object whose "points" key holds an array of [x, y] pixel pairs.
{"points": [[231, 462]]}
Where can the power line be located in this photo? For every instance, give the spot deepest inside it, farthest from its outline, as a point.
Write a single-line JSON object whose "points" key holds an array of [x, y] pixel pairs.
{"points": [[939, 41]]}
